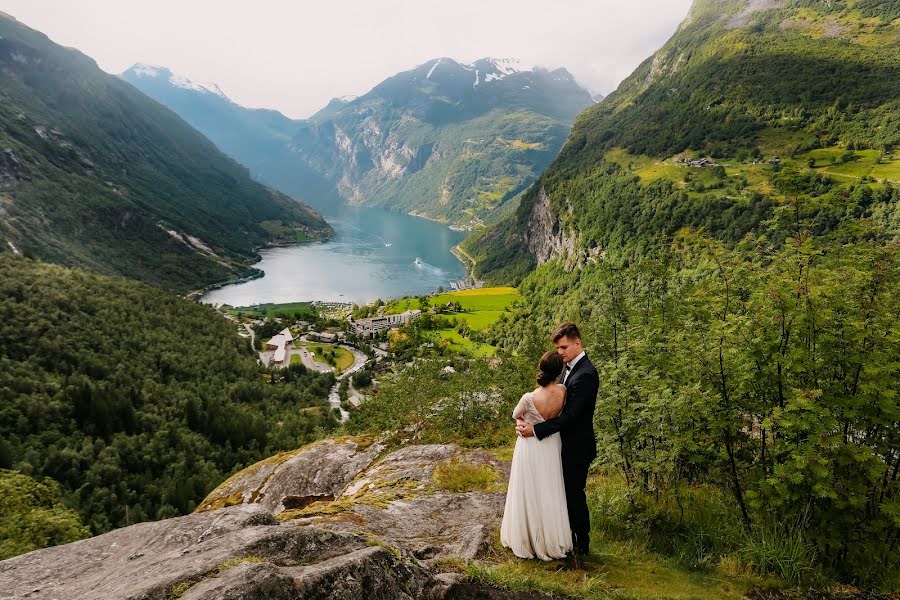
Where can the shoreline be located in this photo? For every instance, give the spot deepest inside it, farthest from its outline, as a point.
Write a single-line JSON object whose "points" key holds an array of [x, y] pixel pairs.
{"points": [[460, 255], [196, 294], [456, 228], [465, 259]]}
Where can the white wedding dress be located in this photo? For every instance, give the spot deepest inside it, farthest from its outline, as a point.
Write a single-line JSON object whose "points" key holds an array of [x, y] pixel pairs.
{"points": [[536, 520]]}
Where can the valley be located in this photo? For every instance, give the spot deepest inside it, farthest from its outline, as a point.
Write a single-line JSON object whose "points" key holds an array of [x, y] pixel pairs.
{"points": [[212, 388]]}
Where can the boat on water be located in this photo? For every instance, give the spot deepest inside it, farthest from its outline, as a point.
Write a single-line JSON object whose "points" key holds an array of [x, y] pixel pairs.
{"points": [[388, 244], [418, 261]]}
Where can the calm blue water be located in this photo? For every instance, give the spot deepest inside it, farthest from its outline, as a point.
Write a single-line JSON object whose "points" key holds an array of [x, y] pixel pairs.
{"points": [[357, 265]]}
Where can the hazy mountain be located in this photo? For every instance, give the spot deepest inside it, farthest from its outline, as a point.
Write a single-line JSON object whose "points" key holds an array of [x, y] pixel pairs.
{"points": [[260, 139], [445, 140], [95, 174]]}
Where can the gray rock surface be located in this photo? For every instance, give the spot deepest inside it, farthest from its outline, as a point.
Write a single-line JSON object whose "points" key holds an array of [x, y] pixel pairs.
{"points": [[235, 553], [355, 485], [148, 560], [293, 479], [546, 236], [374, 519]]}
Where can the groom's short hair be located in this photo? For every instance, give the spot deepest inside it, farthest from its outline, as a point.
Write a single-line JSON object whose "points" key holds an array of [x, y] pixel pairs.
{"points": [[569, 330]]}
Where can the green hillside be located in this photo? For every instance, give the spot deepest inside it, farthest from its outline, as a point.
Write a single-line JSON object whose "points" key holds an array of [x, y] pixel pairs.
{"points": [[135, 401], [724, 227], [95, 174], [800, 99]]}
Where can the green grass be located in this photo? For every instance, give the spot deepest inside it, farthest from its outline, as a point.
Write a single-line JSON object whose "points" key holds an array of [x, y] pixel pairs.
{"points": [[478, 320], [458, 476], [481, 308], [758, 177], [625, 562], [343, 359], [865, 163], [288, 309], [464, 345]]}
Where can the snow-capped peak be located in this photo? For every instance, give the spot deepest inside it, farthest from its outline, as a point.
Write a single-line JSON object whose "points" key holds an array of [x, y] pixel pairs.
{"points": [[143, 70], [204, 88], [155, 71], [493, 69], [506, 66]]}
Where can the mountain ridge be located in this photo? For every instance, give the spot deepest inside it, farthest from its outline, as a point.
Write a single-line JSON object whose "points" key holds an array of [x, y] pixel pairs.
{"points": [[97, 175], [449, 141]]}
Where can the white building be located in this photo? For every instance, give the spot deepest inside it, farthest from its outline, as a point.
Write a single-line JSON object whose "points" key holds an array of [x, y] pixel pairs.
{"points": [[373, 325], [280, 343]]}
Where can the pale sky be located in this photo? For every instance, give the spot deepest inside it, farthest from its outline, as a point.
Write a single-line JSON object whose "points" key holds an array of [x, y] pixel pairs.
{"points": [[296, 56]]}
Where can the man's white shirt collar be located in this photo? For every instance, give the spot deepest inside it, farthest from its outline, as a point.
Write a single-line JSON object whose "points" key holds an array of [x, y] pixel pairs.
{"points": [[571, 364]]}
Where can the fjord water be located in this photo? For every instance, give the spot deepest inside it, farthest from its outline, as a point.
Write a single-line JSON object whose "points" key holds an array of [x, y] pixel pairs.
{"points": [[372, 255]]}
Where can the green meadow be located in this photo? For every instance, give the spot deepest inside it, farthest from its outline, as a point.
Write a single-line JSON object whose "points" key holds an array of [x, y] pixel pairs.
{"points": [[481, 308], [288, 309]]}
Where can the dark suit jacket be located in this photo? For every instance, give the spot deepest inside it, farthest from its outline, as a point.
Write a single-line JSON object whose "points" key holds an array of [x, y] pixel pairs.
{"points": [[575, 423]]}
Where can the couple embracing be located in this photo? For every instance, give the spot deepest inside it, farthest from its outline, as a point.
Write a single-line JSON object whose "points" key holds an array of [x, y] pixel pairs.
{"points": [[546, 514]]}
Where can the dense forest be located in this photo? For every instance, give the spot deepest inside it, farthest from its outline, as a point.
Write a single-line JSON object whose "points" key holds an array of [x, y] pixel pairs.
{"points": [[136, 401]]}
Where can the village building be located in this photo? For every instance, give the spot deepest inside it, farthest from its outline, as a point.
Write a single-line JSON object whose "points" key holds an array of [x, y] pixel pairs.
{"points": [[280, 343], [373, 325]]}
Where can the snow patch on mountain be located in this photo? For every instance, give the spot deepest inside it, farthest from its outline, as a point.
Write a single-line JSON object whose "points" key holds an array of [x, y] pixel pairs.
{"points": [[433, 67], [142, 70], [154, 71], [204, 88], [495, 69], [506, 66]]}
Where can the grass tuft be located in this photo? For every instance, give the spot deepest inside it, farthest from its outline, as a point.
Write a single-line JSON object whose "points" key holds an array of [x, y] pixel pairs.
{"points": [[457, 476]]}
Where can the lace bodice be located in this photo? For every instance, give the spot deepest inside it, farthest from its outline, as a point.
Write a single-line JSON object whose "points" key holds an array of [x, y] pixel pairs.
{"points": [[525, 409]]}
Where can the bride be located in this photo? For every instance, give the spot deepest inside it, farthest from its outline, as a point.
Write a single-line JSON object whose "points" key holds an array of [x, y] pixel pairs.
{"points": [[535, 520]]}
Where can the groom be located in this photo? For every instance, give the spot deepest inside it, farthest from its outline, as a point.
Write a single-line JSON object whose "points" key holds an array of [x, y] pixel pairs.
{"points": [[576, 427]]}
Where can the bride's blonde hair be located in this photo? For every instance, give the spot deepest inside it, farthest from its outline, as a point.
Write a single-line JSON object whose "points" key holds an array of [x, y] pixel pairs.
{"points": [[549, 368]]}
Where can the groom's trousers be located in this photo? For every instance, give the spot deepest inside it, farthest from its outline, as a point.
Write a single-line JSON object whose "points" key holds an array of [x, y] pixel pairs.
{"points": [[575, 476]]}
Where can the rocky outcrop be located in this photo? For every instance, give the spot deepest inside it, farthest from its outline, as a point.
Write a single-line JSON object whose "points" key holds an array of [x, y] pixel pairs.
{"points": [[12, 171], [337, 520], [752, 7], [234, 553], [293, 480], [545, 237], [360, 486]]}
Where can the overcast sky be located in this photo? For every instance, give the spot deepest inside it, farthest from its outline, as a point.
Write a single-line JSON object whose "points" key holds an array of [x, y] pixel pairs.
{"points": [[294, 56]]}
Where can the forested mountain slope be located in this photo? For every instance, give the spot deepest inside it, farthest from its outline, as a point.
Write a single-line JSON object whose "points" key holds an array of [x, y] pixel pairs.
{"points": [[95, 174], [790, 98], [724, 228], [137, 402]]}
